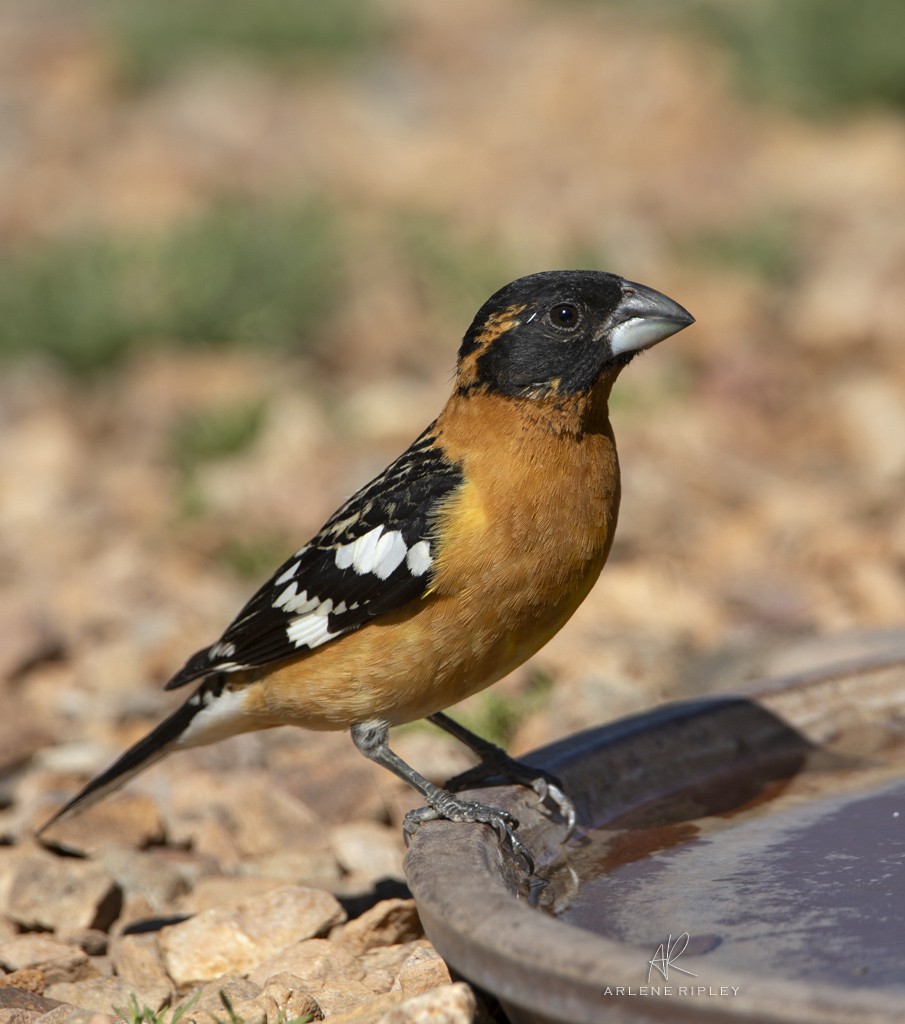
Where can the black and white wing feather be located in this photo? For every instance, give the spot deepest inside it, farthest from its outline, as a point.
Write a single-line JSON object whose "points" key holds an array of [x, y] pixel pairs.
{"points": [[374, 555]]}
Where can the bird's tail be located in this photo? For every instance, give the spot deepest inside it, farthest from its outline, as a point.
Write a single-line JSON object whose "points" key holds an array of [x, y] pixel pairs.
{"points": [[213, 712]]}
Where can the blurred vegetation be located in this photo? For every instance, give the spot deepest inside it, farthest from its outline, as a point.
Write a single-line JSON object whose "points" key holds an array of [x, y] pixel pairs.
{"points": [[765, 248], [454, 275], [154, 39], [239, 273], [496, 715], [816, 57]]}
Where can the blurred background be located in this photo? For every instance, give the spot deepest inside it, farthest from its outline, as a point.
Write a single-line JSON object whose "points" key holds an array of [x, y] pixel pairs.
{"points": [[239, 244]]}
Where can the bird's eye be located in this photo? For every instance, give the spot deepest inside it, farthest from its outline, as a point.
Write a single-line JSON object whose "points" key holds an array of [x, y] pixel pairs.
{"points": [[564, 316]]}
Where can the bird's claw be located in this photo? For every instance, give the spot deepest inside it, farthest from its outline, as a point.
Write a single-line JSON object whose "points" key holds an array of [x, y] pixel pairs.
{"points": [[548, 790], [451, 808], [550, 794]]}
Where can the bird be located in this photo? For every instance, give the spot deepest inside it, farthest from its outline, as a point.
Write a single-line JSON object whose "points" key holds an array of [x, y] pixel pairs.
{"points": [[451, 567]]}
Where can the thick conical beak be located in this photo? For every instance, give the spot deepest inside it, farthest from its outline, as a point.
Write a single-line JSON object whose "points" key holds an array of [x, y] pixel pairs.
{"points": [[643, 318]]}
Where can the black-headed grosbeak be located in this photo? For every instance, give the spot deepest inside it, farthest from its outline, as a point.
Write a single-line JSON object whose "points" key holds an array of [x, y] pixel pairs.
{"points": [[455, 564]]}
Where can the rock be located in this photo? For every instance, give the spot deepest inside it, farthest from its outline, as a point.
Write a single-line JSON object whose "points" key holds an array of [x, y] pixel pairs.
{"points": [[27, 980], [129, 820], [55, 960], [136, 958], [217, 890], [49, 892], [24, 999], [422, 971], [317, 868], [66, 1014], [449, 1004], [365, 847], [387, 923], [383, 964], [207, 1002], [330, 973], [90, 940], [17, 1017], [291, 996], [238, 937], [152, 874], [104, 994]]}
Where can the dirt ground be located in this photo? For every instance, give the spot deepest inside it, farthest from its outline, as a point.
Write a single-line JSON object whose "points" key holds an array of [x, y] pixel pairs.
{"points": [[763, 450]]}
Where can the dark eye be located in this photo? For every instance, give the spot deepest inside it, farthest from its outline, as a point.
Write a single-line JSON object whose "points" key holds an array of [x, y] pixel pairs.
{"points": [[565, 316]]}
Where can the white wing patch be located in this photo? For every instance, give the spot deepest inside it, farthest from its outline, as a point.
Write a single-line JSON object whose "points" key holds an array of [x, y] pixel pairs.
{"points": [[418, 560], [381, 553], [311, 630]]}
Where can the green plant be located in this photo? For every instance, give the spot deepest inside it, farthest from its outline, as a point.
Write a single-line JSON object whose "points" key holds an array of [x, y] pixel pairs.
{"points": [[765, 247], [496, 716], [155, 39], [239, 273], [135, 1013]]}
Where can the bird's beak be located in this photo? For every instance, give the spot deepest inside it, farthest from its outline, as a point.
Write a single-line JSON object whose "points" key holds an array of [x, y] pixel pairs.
{"points": [[643, 318]]}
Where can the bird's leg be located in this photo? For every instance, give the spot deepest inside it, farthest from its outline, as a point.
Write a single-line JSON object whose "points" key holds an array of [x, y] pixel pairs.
{"points": [[495, 761], [371, 740]]}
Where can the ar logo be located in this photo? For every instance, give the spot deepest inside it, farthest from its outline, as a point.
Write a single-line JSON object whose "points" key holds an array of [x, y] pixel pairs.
{"points": [[667, 954]]}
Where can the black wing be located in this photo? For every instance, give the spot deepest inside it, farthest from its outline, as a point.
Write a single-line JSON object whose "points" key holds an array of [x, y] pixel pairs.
{"points": [[374, 555]]}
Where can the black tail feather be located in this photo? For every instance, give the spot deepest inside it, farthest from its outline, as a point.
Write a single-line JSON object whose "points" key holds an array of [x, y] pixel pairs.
{"points": [[148, 750]]}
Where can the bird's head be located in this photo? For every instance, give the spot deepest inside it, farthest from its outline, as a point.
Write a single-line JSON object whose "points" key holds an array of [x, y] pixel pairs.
{"points": [[562, 331]]}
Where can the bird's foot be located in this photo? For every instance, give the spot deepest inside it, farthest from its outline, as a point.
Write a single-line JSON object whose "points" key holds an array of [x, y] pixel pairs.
{"points": [[548, 788], [451, 808]]}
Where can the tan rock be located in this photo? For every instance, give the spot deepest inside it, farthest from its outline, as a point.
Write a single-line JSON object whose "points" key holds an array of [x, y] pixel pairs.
{"points": [[103, 994], [66, 1014], [238, 937], [12, 998], [55, 960], [218, 890], [129, 820], [153, 874], [387, 923], [136, 958], [27, 980], [17, 1016], [331, 974], [449, 1004], [368, 848], [423, 970], [49, 892], [291, 996], [207, 1001]]}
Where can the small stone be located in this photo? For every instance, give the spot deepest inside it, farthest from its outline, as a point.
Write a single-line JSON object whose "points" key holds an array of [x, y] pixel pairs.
{"points": [[129, 820], [330, 973], [450, 1004], [75, 1015], [383, 964], [27, 980], [290, 994], [365, 847], [422, 971], [219, 890], [12, 998], [238, 937], [55, 960], [17, 1017], [103, 994], [207, 1002], [49, 893], [90, 940], [387, 923], [146, 873], [136, 958]]}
